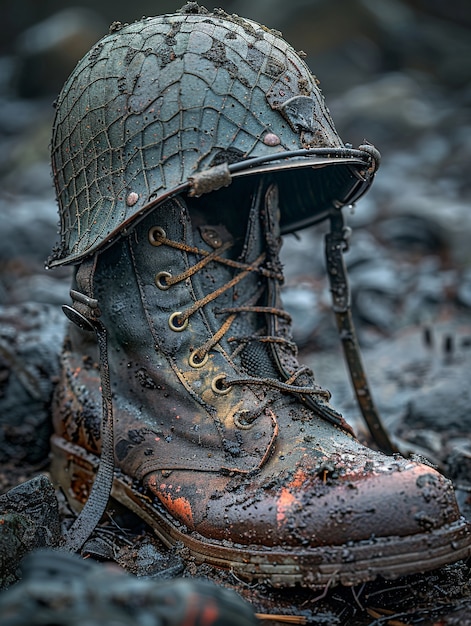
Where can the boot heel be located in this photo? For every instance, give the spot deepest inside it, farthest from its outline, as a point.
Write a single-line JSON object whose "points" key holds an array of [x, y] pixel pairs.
{"points": [[73, 470]]}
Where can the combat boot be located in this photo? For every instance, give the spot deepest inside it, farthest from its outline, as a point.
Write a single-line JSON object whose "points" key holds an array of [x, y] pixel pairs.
{"points": [[222, 440]]}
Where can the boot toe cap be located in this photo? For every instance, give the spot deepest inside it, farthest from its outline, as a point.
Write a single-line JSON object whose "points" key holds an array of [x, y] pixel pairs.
{"points": [[320, 510]]}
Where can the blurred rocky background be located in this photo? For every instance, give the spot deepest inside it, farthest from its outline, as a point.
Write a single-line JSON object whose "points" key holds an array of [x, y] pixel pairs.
{"points": [[394, 72]]}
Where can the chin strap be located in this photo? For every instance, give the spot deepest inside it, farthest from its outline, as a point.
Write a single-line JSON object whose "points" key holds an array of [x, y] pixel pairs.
{"points": [[336, 242], [85, 314]]}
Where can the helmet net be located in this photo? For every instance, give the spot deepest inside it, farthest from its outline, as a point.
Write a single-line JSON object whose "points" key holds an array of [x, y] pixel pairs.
{"points": [[160, 101]]}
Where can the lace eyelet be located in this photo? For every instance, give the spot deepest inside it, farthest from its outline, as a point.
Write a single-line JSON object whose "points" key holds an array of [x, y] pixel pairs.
{"points": [[154, 233], [217, 387], [160, 280], [239, 418], [194, 361], [173, 322]]}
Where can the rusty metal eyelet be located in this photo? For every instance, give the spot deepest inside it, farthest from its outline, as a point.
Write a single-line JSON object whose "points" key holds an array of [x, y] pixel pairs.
{"points": [[239, 420], [217, 387], [154, 233], [195, 361], [173, 322], [160, 280]]}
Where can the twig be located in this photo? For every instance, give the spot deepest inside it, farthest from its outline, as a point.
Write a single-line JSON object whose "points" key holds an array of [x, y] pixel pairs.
{"points": [[285, 619]]}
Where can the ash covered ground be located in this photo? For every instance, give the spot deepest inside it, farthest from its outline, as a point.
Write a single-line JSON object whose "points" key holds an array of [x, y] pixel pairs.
{"points": [[394, 73]]}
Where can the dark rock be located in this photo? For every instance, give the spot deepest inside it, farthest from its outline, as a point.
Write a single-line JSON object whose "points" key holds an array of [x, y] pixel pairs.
{"points": [[302, 303], [464, 289], [29, 229], [411, 233], [31, 336], [61, 588], [444, 406], [458, 467], [29, 517]]}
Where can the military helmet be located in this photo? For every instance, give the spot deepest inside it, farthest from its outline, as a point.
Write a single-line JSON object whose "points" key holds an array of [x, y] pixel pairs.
{"points": [[186, 103]]}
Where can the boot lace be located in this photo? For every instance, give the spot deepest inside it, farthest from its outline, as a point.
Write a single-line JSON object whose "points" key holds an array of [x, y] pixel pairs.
{"points": [[199, 355]]}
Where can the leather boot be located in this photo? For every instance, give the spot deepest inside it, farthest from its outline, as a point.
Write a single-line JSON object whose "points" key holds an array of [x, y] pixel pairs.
{"points": [[182, 144], [222, 441]]}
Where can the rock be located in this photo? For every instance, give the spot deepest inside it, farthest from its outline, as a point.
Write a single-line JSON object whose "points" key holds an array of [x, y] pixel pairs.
{"points": [[458, 467], [420, 380], [29, 229], [31, 336], [444, 405], [413, 234], [302, 302], [29, 517], [464, 289], [61, 588]]}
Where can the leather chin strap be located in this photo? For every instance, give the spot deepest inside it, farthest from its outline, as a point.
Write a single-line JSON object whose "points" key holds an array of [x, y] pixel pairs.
{"points": [[85, 314], [336, 242]]}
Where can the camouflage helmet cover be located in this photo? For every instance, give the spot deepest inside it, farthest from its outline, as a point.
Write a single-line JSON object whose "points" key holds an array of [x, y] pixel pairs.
{"points": [[186, 102]]}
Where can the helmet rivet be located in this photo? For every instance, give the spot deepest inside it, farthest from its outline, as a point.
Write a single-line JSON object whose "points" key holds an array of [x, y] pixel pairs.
{"points": [[132, 198], [271, 139]]}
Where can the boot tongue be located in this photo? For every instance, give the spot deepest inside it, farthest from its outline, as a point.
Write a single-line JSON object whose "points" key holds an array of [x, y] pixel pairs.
{"points": [[270, 359], [254, 356]]}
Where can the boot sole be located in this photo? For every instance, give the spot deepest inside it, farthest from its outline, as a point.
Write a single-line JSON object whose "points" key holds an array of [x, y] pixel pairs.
{"points": [[316, 567]]}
